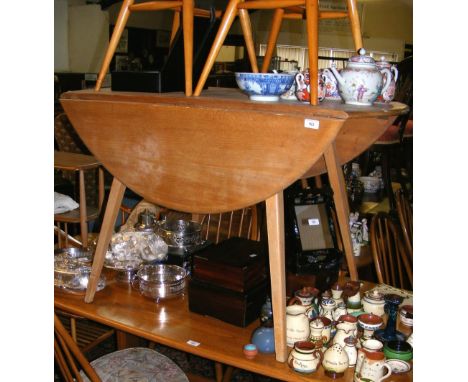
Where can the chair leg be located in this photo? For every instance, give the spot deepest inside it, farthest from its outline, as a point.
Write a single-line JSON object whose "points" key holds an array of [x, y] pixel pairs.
{"points": [[118, 29], [247, 31], [355, 25], [83, 221], [223, 30], [272, 38], [312, 15], [175, 26], [187, 20]]}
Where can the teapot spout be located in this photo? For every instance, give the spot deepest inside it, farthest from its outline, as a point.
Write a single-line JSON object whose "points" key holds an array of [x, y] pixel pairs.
{"points": [[337, 75]]}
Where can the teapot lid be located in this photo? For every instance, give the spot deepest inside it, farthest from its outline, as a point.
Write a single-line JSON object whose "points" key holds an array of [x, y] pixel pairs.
{"points": [[382, 63], [362, 58]]}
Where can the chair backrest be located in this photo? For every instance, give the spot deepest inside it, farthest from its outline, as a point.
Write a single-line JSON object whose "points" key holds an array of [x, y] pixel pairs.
{"points": [[405, 215], [240, 223], [392, 262], [69, 357]]}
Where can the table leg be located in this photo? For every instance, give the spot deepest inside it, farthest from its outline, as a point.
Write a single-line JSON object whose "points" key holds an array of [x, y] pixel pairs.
{"points": [[112, 210], [335, 174], [275, 227]]}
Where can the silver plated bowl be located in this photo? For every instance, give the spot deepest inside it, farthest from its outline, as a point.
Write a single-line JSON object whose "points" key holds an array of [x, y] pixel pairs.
{"points": [[161, 281]]}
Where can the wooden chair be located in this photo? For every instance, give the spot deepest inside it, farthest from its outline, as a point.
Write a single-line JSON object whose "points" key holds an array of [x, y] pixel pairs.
{"points": [[188, 12], [128, 364], [79, 163], [392, 262], [405, 216], [284, 9]]}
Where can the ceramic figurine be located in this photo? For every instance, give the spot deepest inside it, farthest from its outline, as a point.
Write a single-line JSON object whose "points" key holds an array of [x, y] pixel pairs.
{"points": [[365, 231], [360, 83], [303, 87], [297, 324], [389, 94], [335, 361], [304, 357], [350, 349]]}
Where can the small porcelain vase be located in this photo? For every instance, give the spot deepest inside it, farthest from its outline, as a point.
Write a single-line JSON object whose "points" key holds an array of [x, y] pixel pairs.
{"points": [[350, 349], [304, 357], [303, 86], [335, 361], [297, 324], [373, 368], [389, 93]]}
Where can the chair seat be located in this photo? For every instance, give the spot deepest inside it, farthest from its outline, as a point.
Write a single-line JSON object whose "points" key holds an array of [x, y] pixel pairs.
{"points": [[136, 364], [73, 216], [392, 134]]}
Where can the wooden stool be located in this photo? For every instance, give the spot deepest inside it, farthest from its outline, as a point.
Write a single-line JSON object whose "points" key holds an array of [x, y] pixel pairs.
{"points": [[188, 12], [284, 9], [66, 161]]}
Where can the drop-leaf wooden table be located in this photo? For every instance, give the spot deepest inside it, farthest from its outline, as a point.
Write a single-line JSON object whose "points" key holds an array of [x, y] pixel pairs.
{"points": [[220, 152]]}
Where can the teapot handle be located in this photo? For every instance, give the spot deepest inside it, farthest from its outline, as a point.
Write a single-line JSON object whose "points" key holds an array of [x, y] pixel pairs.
{"points": [[388, 79], [395, 73]]}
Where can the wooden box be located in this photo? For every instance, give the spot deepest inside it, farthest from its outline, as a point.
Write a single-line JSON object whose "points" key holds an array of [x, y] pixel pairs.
{"points": [[236, 264], [236, 308]]}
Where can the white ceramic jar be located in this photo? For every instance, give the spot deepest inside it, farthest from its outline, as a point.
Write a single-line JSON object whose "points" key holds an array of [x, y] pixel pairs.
{"points": [[335, 361]]}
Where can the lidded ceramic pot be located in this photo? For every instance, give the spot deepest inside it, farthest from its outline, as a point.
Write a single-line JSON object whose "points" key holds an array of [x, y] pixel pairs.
{"points": [[335, 361], [361, 82], [374, 302], [316, 336], [389, 94]]}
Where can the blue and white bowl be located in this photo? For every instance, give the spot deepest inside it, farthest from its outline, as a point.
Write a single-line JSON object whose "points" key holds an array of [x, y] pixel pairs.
{"points": [[264, 86]]}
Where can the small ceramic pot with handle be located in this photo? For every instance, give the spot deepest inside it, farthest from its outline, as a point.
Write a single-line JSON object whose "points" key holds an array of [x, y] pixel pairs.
{"points": [[303, 86], [304, 358], [373, 368], [389, 93]]}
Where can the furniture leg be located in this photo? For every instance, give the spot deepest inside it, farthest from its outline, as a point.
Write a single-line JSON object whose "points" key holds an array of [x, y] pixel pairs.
{"points": [[223, 30], [228, 373], [355, 25], [118, 29], [126, 340], [275, 227], [110, 216], [175, 27], [335, 174], [219, 371], [272, 38], [312, 15], [187, 20], [247, 30], [83, 222], [100, 187]]}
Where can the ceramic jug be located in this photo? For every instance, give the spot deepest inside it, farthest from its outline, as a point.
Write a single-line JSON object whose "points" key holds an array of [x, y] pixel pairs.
{"points": [[339, 311], [368, 346], [373, 368], [331, 85], [308, 296], [297, 324], [360, 83], [344, 330], [302, 81], [304, 358], [389, 94]]}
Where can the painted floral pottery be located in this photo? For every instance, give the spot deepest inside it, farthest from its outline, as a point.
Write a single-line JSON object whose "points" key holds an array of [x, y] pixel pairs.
{"points": [[327, 306], [335, 361], [392, 301], [406, 315], [398, 366], [350, 349], [264, 86], [369, 322], [361, 82], [327, 328], [290, 95], [398, 350], [373, 368], [303, 86], [331, 85], [250, 351], [304, 357], [368, 346], [373, 302], [389, 94], [344, 330], [264, 338], [297, 324]]}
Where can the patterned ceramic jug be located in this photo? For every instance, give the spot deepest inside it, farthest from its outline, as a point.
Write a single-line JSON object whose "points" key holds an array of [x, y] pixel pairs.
{"points": [[303, 86], [331, 85], [389, 94]]}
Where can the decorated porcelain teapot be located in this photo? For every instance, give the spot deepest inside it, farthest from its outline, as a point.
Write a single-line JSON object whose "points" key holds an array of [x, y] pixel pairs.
{"points": [[360, 83]]}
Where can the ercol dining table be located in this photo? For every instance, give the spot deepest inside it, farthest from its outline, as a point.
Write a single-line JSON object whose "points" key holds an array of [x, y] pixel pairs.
{"points": [[219, 152], [170, 323]]}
